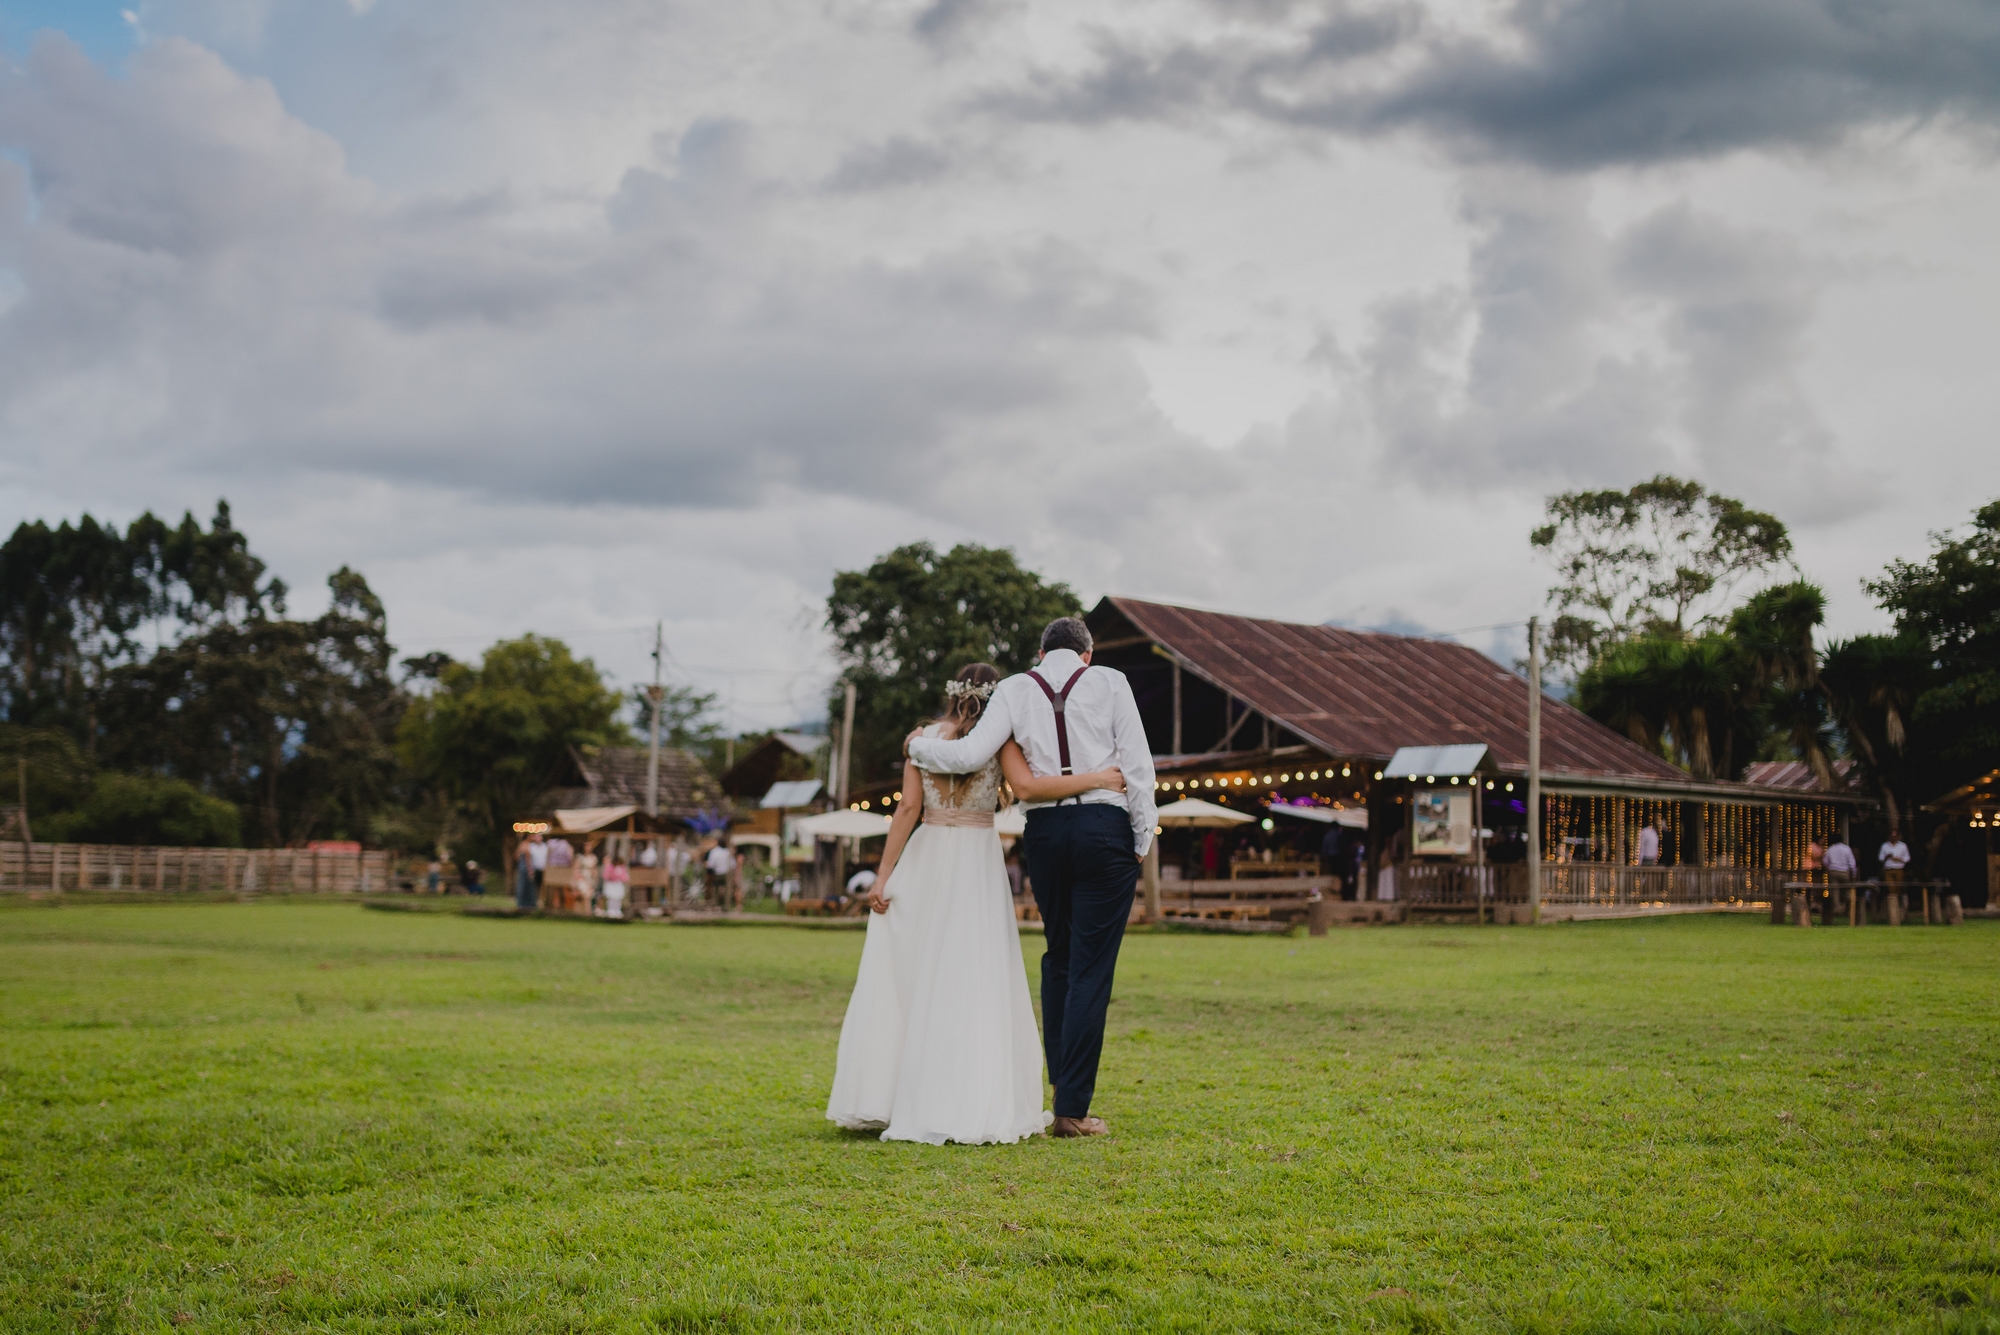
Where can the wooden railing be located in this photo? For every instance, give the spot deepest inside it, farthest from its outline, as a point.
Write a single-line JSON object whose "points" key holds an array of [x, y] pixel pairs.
{"points": [[81, 867], [1590, 883]]}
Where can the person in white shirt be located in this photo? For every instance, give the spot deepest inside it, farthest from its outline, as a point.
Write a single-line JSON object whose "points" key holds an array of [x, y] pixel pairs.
{"points": [[721, 863], [1839, 861], [860, 883], [1894, 857], [1649, 845], [1082, 852]]}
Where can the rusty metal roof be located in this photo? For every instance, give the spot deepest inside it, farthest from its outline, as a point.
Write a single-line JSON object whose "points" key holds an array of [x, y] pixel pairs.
{"points": [[1366, 693], [1796, 775]]}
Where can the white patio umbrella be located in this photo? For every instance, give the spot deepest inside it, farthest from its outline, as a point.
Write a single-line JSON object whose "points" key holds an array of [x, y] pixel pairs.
{"points": [[1352, 817], [849, 824], [1192, 811]]}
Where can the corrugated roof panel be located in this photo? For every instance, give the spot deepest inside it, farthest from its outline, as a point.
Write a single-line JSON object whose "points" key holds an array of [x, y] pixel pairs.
{"points": [[1365, 693]]}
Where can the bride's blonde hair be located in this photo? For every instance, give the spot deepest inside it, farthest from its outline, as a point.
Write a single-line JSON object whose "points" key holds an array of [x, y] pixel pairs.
{"points": [[966, 695]]}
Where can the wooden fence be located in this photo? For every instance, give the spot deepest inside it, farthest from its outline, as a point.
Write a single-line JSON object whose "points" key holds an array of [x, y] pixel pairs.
{"points": [[1593, 883], [78, 867]]}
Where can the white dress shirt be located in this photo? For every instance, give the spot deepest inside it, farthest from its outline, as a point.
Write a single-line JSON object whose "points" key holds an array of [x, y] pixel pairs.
{"points": [[1839, 857], [1104, 732], [1894, 856]]}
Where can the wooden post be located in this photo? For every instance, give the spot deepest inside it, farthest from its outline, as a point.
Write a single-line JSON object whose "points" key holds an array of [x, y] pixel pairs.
{"points": [[1177, 705], [1534, 769], [1149, 876], [846, 744]]}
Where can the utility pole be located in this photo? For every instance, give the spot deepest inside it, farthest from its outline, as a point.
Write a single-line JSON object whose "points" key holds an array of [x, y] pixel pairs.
{"points": [[657, 694], [1535, 769], [846, 744]]}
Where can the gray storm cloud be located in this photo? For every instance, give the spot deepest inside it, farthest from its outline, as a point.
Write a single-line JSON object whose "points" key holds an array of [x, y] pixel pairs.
{"points": [[744, 293], [1568, 86]]}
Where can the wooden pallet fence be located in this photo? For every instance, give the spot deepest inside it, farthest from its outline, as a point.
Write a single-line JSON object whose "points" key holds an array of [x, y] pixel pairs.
{"points": [[1588, 883], [67, 868]]}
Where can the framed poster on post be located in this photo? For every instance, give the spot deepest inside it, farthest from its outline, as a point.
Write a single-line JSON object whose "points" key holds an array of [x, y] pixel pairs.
{"points": [[1443, 824]]}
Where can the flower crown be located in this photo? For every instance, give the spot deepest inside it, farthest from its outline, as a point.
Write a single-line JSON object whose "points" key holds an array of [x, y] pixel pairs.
{"points": [[954, 689]]}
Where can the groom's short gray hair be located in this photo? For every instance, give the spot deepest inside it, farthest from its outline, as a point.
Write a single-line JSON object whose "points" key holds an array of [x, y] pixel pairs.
{"points": [[1066, 633]]}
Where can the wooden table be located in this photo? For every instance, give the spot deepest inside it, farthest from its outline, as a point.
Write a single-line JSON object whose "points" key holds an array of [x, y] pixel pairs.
{"points": [[1854, 889], [1247, 870]]}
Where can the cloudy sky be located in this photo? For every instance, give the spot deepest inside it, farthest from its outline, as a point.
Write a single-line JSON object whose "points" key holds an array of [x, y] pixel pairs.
{"points": [[571, 316]]}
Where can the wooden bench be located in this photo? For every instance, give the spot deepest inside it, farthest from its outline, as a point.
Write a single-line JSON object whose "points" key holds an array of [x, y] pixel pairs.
{"points": [[1281, 898]]}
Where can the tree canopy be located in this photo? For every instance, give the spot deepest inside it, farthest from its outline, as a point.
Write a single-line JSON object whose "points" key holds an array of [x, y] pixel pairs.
{"points": [[1667, 557], [76, 601], [905, 625], [495, 735]]}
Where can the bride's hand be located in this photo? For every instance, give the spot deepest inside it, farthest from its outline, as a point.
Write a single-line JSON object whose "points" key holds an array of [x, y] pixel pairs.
{"points": [[878, 897], [1112, 779]]}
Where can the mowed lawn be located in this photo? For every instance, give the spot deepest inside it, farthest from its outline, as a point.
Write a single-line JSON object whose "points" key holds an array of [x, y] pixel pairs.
{"points": [[307, 1116]]}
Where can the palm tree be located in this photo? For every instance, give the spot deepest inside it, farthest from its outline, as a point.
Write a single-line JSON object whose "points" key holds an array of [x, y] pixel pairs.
{"points": [[1871, 684]]}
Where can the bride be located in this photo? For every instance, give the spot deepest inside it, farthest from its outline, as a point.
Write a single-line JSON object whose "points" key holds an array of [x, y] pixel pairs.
{"points": [[939, 1042]]}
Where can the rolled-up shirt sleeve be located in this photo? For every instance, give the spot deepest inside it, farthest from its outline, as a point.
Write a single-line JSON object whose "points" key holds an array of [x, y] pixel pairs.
{"points": [[1135, 759], [966, 754]]}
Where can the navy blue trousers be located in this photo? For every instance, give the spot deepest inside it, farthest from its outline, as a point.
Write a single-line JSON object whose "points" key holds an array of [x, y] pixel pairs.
{"points": [[1081, 863]]}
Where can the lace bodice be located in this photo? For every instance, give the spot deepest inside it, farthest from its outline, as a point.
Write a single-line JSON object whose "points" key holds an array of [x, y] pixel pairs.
{"points": [[977, 791]]}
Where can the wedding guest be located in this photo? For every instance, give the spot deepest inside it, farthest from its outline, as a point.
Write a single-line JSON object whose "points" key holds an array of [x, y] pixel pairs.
{"points": [[1838, 860], [434, 878], [1649, 845], [616, 880], [563, 855], [538, 855], [475, 879], [583, 889], [1895, 858], [524, 876], [721, 864]]}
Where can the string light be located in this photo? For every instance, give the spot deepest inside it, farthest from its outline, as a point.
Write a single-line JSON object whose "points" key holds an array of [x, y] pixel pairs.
{"points": [[1344, 772]]}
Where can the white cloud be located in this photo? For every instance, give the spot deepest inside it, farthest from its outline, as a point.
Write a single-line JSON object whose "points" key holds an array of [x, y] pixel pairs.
{"points": [[670, 311]]}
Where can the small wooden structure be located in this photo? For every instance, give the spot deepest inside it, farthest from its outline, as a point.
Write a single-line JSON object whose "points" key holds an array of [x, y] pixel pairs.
{"points": [[605, 833]]}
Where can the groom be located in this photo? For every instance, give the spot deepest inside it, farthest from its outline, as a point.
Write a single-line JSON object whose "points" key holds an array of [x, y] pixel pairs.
{"points": [[1082, 852]]}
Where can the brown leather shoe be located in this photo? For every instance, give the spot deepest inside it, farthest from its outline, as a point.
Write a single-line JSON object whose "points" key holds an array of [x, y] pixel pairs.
{"points": [[1064, 1128]]}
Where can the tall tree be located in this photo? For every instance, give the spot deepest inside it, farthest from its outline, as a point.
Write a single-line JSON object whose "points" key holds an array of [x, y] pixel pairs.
{"points": [[903, 626], [1949, 604], [1665, 558], [294, 721], [76, 599], [494, 736], [1714, 702]]}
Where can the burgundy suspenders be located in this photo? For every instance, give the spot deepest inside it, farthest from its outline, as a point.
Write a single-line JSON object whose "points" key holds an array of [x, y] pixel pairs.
{"points": [[1059, 700]]}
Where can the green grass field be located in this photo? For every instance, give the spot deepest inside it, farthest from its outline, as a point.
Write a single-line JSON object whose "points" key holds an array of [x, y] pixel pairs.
{"points": [[305, 1116]]}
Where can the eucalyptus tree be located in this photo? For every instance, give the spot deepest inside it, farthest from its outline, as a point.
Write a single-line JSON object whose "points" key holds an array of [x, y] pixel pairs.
{"points": [[1667, 558]]}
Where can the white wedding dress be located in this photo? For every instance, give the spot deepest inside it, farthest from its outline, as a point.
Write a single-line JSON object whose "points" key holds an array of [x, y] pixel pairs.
{"points": [[939, 1042]]}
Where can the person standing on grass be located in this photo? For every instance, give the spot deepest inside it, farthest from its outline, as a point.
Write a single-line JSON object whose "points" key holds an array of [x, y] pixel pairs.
{"points": [[1083, 851], [939, 1039], [1839, 862], [524, 876], [538, 860], [1895, 858], [617, 879]]}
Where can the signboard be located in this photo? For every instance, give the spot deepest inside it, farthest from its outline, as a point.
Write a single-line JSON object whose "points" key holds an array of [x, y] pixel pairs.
{"points": [[1443, 823]]}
